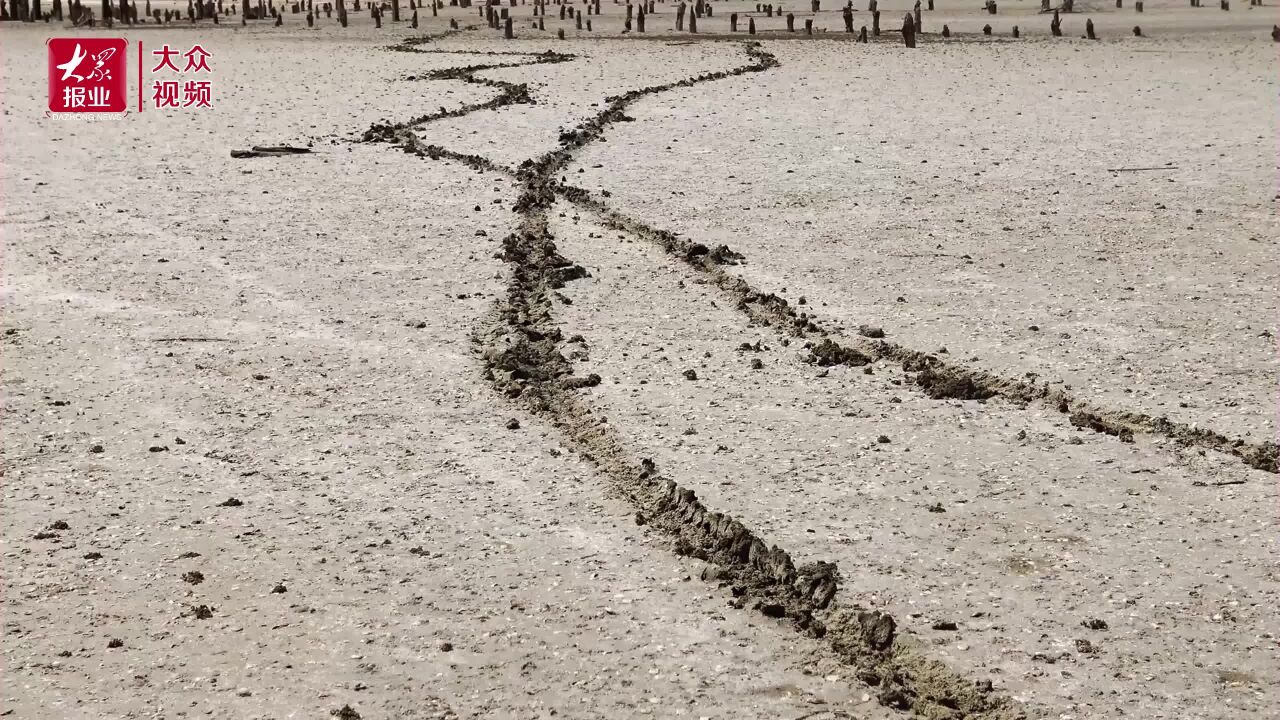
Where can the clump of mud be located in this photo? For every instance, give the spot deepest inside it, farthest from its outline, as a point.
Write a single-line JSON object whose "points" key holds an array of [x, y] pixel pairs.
{"points": [[525, 361], [944, 384], [827, 353], [1096, 423], [1263, 457], [721, 255]]}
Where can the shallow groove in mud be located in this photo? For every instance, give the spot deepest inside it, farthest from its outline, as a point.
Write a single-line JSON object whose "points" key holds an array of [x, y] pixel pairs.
{"points": [[522, 357]]}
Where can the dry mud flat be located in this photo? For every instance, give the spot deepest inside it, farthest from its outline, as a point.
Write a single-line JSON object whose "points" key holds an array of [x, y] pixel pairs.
{"points": [[397, 431]]}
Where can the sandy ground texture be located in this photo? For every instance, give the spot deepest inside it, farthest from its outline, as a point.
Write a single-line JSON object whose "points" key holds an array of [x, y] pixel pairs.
{"points": [[379, 430]]}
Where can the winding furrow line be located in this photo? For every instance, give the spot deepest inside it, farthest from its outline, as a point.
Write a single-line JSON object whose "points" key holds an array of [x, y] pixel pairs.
{"points": [[521, 347], [935, 377], [511, 93]]}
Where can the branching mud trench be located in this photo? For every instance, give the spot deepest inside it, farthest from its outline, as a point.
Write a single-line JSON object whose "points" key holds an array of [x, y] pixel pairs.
{"points": [[523, 351], [596, 368], [529, 357]]}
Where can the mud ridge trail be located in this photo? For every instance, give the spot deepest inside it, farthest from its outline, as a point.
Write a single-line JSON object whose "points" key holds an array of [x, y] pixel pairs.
{"points": [[511, 92], [521, 348], [935, 377]]}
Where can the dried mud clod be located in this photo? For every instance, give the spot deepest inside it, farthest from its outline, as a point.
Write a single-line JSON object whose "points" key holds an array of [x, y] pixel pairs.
{"points": [[1263, 457], [827, 353], [940, 384], [1090, 421], [720, 255], [346, 712]]}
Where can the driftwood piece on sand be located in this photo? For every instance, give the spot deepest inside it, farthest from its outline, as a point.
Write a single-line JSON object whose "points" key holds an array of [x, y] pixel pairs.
{"points": [[270, 151]]}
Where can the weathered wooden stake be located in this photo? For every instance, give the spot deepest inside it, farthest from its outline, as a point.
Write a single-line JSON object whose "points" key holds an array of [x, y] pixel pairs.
{"points": [[986, 29], [1137, 32], [1055, 26], [875, 23], [916, 17], [751, 26], [909, 30], [693, 23], [733, 22], [791, 22], [946, 31], [680, 17], [1088, 30], [862, 34], [640, 20], [1015, 31], [847, 14], [395, 10]]}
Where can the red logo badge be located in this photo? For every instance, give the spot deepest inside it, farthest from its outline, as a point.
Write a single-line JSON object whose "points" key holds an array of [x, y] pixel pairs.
{"points": [[88, 75]]}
